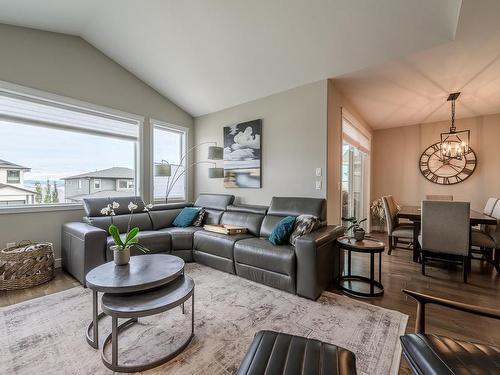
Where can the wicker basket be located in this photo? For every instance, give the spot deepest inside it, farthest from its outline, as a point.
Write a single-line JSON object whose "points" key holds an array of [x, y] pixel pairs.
{"points": [[25, 265]]}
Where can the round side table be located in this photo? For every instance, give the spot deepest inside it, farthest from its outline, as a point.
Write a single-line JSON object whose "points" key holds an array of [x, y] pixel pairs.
{"points": [[357, 285]]}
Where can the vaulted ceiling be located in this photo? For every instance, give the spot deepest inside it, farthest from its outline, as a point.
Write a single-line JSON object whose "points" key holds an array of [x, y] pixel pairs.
{"points": [[413, 89], [207, 55]]}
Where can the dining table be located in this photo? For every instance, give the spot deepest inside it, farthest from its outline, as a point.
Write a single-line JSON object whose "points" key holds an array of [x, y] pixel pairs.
{"points": [[414, 214]]}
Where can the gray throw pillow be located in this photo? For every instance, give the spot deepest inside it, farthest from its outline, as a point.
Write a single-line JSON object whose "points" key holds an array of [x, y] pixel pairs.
{"points": [[198, 222], [304, 224]]}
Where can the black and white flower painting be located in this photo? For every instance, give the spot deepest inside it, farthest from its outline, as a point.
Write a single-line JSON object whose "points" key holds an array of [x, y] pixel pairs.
{"points": [[242, 155]]}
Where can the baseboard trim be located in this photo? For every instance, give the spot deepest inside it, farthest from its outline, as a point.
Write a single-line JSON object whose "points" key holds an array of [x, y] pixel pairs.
{"points": [[58, 263]]}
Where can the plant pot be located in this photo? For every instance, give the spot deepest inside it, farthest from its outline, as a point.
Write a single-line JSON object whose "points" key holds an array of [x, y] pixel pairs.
{"points": [[359, 235], [121, 256]]}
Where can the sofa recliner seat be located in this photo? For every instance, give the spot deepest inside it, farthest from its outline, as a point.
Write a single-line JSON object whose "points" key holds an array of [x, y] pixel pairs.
{"points": [[305, 269]]}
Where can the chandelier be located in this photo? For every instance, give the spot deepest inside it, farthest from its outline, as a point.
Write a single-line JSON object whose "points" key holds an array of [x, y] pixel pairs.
{"points": [[455, 143]]}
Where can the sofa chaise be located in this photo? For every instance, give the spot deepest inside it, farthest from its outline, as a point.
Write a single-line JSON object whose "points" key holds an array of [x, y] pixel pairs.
{"points": [[305, 269]]}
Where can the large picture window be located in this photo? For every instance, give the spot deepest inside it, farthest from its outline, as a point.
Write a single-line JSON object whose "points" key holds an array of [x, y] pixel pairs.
{"points": [[169, 146], [54, 153]]}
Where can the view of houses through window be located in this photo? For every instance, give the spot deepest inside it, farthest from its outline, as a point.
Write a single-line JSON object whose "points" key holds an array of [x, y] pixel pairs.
{"points": [[40, 165]]}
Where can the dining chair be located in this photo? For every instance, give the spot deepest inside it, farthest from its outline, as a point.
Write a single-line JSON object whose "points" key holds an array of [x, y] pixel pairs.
{"points": [[445, 233], [489, 238], [439, 197], [395, 230]]}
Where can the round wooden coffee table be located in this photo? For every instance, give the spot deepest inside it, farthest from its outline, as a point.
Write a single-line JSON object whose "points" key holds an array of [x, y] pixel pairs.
{"points": [[144, 272], [357, 285]]}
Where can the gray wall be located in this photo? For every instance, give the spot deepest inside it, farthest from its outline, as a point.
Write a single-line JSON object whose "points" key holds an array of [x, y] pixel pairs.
{"points": [[69, 66], [294, 143]]}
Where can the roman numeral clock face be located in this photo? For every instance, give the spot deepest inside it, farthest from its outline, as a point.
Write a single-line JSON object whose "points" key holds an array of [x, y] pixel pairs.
{"points": [[447, 172]]}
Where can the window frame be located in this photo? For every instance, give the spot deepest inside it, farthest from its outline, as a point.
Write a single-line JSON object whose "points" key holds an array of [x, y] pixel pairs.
{"points": [[18, 176], [157, 124], [97, 181], [58, 100]]}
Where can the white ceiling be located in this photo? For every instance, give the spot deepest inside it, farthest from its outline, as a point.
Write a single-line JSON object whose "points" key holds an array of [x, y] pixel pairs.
{"points": [[413, 89], [207, 55]]}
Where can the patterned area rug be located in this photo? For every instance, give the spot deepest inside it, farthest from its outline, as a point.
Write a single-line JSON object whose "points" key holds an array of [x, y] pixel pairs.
{"points": [[46, 335]]}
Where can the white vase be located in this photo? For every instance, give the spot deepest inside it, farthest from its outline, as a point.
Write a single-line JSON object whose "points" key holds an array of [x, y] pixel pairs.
{"points": [[121, 256]]}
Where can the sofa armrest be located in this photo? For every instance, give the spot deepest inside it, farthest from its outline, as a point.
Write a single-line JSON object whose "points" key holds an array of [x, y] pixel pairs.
{"points": [[83, 248], [317, 258]]}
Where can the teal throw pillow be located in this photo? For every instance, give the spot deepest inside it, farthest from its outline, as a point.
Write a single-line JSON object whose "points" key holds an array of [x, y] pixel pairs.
{"points": [[186, 217], [282, 231]]}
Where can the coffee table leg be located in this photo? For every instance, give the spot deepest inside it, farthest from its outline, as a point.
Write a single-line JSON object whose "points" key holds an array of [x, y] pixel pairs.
{"points": [[114, 341], [93, 339], [192, 313], [348, 262], [380, 267], [182, 307], [372, 271]]}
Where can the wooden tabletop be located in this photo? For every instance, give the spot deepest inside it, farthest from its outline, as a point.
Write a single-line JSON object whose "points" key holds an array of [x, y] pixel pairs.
{"points": [[367, 245], [414, 213]]}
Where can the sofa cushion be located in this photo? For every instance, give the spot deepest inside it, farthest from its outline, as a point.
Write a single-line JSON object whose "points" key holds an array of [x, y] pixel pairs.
{"points": [[260, 253], [102, 222], [214, 201], [155, 241], [250, 221], [182, 238], [282, 231], [186, 217], [140, 220], [163, 218], [288, 206], [217, 243]]}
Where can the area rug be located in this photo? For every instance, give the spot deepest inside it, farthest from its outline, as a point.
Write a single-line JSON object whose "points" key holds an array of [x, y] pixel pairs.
{"points": [[46, 335]]}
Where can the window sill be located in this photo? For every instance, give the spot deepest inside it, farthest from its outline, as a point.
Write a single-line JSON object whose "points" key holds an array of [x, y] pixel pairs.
{"points": [[40, 208]]}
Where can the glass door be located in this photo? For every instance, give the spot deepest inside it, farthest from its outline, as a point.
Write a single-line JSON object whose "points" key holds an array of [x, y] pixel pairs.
{"points": [[353, 187]]}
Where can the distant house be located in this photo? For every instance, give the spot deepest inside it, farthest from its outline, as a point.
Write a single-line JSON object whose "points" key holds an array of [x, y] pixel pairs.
{"points": [[12, 190], [111, 182]]}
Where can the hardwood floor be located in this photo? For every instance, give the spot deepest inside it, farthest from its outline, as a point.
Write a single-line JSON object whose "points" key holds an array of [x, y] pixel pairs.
{"points": [[398, 272], [442, 280]]}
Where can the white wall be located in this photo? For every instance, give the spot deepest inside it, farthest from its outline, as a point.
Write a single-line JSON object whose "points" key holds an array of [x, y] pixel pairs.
{"points": [[69, 66], [293, 143], [397, 151]]}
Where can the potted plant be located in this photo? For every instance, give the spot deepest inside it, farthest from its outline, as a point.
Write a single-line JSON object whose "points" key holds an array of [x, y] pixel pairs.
{"points": [[121, 248], [357, 231]]}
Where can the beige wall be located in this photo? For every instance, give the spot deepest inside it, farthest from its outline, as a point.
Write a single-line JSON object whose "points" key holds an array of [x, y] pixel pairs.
{"points": [[336, 101], [69, 66], [396, 153], [293, 143]]}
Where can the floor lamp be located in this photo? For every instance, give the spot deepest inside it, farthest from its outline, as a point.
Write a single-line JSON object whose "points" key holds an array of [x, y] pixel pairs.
{"points": [[164, 168]]}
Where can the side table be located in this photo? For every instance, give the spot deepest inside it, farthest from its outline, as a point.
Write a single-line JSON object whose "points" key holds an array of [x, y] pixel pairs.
{"points": [[357, 285]]}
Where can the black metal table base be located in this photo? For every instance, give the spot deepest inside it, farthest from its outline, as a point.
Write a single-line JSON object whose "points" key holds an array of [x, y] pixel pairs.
{"points": [[376, 288]]}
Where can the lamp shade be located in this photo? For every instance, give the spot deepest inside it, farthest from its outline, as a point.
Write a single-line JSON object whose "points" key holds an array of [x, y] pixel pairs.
{"points": [[163, 170], [215, 153], [215, 172]]}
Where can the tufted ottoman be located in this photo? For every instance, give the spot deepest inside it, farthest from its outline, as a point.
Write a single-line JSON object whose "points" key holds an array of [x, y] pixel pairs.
{"points": [[280, 353]]}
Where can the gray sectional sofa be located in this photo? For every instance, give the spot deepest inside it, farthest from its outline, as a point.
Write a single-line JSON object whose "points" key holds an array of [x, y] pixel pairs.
{"points": [[305, 269]]}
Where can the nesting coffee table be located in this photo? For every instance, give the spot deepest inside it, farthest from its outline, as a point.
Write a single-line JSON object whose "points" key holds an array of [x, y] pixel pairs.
{"points": [[148, 285]]}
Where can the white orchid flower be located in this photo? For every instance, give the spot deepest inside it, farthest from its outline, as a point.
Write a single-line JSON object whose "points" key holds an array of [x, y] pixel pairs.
{"points": [[104, 211], [148, 207], [115, 205], [132, 206]]}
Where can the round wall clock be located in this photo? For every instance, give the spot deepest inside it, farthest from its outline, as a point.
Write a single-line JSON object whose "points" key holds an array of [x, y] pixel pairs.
{"points": [[447, 172]]}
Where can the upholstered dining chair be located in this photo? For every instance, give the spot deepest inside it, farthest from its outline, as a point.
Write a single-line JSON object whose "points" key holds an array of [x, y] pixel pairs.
{"points": [[395, 230], [439, 197], [488, 237], [445, 233]]}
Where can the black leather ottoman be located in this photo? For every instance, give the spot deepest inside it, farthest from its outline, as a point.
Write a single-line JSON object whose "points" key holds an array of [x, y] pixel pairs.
{"points": [[280, 353]]}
